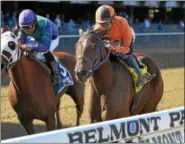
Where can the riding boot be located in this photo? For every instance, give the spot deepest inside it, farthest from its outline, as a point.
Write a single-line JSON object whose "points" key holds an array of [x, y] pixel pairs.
{"points": [[56, 79], [133, 63], [56, 74]]}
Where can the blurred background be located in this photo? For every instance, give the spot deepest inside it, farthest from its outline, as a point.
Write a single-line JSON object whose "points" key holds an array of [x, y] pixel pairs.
{"points": [[143, 16], [159, 27]]}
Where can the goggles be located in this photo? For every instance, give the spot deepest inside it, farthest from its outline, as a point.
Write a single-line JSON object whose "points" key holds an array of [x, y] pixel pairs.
{"points": [[28, 26]]}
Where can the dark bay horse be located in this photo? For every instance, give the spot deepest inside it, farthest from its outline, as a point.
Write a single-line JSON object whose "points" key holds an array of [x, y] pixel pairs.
{"points": [[112, 93], [30, 90]]}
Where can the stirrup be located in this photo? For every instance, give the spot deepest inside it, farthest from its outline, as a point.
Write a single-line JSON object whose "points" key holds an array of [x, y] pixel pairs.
{"points": [[149, 77], [140, 83]]}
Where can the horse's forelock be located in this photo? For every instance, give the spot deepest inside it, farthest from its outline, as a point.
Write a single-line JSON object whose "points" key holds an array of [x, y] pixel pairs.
{"points": [[89, 32]]}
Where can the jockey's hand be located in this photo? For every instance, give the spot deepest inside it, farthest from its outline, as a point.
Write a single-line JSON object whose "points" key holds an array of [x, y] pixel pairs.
{"points": [[108, 44], [24, 47]]}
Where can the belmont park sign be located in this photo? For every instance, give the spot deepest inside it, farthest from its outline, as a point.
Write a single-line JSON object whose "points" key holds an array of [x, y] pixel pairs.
{"points": [[136, 128], [158, 127]]}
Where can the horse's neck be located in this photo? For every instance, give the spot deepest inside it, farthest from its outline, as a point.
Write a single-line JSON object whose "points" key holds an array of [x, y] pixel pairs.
{"points": [[104, 76], [22, 73]]}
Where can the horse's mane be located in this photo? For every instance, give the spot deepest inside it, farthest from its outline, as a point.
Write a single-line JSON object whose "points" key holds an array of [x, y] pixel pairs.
{"points": [[91, 30]]}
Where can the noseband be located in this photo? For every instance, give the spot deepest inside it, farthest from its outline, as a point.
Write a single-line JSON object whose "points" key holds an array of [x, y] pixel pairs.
{"points": [[9, 60]]}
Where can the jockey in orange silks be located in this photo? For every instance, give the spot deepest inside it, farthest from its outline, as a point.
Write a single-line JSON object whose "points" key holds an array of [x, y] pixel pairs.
{"points": [[118, 30]]}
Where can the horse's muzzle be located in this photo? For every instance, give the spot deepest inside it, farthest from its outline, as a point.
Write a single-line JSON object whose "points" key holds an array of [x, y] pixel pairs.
{"points": [[4, 70]]}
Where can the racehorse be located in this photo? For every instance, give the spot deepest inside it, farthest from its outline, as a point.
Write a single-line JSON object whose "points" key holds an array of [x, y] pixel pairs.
{"points": [[30, 90], [112, 92]]}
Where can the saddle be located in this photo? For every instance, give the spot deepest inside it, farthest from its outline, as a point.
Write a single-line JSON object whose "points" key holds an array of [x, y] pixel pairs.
{"points": [[144, 71]]}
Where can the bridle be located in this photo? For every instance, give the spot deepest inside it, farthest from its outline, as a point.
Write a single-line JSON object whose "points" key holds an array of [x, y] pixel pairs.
{"points": [[7, 55], [99, 50]]}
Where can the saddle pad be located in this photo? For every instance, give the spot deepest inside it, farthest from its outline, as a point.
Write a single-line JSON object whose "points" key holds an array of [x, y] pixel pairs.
{"points": [[66, 79], [136, 77]]}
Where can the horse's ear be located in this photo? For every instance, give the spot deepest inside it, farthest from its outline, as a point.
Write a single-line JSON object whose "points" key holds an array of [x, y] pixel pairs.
{"points": [[15, 30], [81, 32]]}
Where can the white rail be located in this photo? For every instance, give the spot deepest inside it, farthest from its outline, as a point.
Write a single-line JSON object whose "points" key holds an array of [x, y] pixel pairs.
{"points": [[159, 127], [137, 34]]}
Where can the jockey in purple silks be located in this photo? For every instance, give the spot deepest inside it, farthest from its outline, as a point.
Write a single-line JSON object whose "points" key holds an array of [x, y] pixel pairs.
{"points": [[46, 36]]}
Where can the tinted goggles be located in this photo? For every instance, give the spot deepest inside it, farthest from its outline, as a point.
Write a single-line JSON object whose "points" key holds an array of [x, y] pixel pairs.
{"points": [[27, 26]]}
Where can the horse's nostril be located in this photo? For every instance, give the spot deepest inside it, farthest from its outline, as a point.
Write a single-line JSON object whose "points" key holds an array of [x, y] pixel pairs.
{"points": [[74, 71], [2, 66], [80, 72]]}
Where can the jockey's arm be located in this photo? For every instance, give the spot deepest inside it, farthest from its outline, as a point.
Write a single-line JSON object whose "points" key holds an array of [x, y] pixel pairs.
{"points": [[126, 38], [46, 39]]}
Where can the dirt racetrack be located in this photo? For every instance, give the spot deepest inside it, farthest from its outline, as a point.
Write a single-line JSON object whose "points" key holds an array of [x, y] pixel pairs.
{"points": [[171, 63]]}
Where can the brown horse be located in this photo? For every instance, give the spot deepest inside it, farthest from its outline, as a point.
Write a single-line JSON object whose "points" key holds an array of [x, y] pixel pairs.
{"points": [[112, 93], [30, 90]]}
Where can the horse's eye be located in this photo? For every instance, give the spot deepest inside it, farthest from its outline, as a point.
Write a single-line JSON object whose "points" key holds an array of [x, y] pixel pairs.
{"points": [[11, 45]]}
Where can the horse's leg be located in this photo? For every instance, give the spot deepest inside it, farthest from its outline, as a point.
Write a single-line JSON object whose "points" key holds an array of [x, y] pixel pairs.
{"points": [[50, 122], [94, 106], [115, 105], [142, 100], [107, 115], [77, 94], [156, 95], [27, 123], [59, 123], [111, 112], [152, 102], [149, 99]]}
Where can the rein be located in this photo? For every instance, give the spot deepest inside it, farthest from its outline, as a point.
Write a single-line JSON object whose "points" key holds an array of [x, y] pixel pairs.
{"points": [[99, 50], [94, 66]]}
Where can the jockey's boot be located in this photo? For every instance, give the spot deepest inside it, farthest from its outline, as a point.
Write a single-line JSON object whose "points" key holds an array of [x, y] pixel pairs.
{"points": [[56, 74], [133, 63], [56, 79]]}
